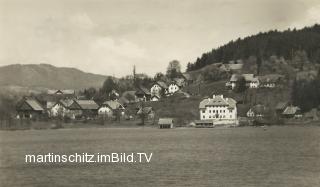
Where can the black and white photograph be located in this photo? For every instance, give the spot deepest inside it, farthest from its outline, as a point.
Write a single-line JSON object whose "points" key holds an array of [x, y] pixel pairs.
{"points": [[160, 93]]}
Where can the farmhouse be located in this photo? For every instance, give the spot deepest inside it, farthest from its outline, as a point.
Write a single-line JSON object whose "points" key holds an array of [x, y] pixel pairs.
{"points": [[110, 108], [218, 108], [143, 94], [250, 79], [187, 78], [29, 108], [89, 108], [270, 81], [65, 107], [159, 88], [173, 88], [292, 112], [165, 123]]}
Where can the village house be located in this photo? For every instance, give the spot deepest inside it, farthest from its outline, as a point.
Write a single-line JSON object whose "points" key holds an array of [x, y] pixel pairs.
{"points": [[187, 78], [173, 87], [143, 94], [89, 108], [292, 112], [270, 81], [159, 88], [257, 111], [64, 107], [250, 80], [110, 108], [165, 123], [29, 108], [218, 108]]}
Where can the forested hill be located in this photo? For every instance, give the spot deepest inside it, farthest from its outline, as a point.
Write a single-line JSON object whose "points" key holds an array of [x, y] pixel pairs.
{"points": [[263, 45]]}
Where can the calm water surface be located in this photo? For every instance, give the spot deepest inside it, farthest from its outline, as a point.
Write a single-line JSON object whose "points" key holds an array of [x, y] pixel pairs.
{"points": [[278, 156]]}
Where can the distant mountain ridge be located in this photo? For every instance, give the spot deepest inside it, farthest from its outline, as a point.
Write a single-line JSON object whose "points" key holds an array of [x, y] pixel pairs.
{"points": [[48, 76]]}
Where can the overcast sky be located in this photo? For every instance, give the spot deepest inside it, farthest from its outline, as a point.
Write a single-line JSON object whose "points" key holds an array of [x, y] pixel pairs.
{"points": [[110, 36]]}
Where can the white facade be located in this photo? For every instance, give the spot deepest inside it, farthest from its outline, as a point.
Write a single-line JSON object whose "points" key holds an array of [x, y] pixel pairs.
{"points": [[218, 108], [254, 84], [155, 98], [173, 88], [58, 109], [104, 110], [155, 89]]}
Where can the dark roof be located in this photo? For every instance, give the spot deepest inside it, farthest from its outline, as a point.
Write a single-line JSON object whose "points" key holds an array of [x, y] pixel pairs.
{"points": [[143, 90], [162, 84]]}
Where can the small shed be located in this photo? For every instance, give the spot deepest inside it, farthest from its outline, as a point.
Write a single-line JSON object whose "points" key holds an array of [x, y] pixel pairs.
{"points": [[165, 123]]}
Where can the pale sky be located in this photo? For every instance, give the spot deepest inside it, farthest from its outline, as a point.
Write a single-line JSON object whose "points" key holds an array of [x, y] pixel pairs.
{"points": [[110, 36]]}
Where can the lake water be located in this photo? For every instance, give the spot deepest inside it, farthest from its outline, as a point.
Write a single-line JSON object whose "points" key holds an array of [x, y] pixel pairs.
{"points": [[278, 156]]}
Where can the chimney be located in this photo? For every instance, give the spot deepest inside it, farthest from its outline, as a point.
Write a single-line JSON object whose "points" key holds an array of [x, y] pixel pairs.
{"points": [[213, 96], [221, 96]]}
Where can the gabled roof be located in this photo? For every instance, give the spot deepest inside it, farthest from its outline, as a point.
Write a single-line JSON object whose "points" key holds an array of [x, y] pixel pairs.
{"points": [[87, 104], [164, 121], [34, 104], [179, 81], [66, 102], [290, 110], [235, 77], [218, 101], [61, 92], [123, 101], [282, 105], [187, 76], [162, 84], [144, 90], [155, 95], [113, 105]]}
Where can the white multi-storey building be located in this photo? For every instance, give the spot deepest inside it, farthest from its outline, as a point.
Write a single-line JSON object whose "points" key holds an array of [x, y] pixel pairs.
{"points": [[218, 108]]}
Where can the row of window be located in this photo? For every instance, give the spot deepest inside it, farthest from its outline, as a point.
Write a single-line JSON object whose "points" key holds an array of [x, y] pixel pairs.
{"points": [[216, 111], [213, 117]]}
